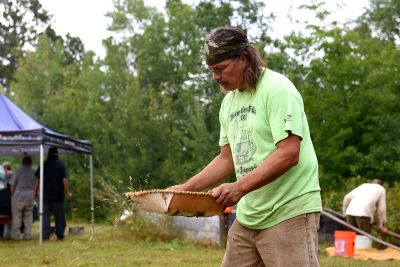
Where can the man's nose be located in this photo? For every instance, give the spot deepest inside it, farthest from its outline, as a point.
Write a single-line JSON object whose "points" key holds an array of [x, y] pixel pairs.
{"points": [[216, 76]]}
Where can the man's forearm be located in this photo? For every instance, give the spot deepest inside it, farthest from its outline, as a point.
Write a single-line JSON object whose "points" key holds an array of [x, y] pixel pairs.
{"points": [[36, 186], [381, 217], [346, 202], [276, 164], [218, 169], [66, 185]]}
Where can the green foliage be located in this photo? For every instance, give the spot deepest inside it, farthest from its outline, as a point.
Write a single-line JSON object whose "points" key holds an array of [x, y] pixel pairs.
{"points": [[393, 207], [351, 98], [19, 25], [151, 110], [172, 99], [384, 14], [40, 78]]}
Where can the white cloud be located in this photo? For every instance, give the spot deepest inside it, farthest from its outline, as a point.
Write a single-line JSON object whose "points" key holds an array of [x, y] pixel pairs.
{"points": [[82, 18]]}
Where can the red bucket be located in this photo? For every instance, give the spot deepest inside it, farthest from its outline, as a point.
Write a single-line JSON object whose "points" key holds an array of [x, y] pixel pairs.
{"points": [[344, 243]]}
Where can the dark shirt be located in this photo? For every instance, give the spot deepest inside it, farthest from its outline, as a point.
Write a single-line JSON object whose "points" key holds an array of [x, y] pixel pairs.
{"points": [[5, 201], [54, 172]]}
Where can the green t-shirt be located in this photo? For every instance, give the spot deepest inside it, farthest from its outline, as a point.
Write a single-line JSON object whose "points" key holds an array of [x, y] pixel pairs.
{"points": [[252, 123]]}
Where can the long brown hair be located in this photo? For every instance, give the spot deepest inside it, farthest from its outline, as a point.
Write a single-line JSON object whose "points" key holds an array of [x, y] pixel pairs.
{"points": [[255, 65]]}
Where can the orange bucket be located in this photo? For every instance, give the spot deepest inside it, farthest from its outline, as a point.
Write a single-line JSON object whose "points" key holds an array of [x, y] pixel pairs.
{"points": [[344, 243], [228, 210]]}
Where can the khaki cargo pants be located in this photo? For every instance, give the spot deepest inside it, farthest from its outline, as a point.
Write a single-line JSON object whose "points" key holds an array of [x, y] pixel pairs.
{"points": [[293, 242], [21, 212]]}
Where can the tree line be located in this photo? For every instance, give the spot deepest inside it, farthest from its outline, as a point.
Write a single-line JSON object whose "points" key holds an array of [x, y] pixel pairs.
{"points": [[151, 108]]}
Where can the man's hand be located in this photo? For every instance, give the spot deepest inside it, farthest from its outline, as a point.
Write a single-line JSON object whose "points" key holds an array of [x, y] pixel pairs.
{"points": [[383, 229], [227, 194], [69, 194]]}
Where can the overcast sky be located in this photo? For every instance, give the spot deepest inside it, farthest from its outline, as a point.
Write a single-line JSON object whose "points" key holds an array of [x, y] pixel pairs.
{"points": [[86, 18]]}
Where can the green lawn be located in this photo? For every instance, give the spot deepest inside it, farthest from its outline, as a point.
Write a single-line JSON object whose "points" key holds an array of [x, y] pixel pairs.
{"points": [[111, 246]]}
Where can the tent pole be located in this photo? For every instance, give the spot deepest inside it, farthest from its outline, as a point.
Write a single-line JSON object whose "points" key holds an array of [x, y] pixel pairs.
{"points": [[41, 196], [91, 191]]}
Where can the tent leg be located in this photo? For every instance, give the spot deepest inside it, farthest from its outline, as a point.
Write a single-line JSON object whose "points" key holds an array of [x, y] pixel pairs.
{"points": [[91, 191], [41, 196]]}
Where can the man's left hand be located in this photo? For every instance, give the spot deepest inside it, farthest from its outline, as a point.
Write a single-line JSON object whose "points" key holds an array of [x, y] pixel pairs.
{"points": [[383, 229], [227, 194]]}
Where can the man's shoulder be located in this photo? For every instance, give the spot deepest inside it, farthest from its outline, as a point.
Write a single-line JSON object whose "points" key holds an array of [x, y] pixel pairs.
{"points": [[24, 168], [372, 186], [228, 98], [271, 76], [19, 171], [54, 162], [273, 83]]}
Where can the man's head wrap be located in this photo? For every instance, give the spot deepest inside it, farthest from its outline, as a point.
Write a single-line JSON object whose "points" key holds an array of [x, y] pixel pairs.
{"points": [[216, 51]]}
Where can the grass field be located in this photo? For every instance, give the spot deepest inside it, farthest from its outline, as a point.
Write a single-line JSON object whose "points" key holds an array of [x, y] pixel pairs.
{"points": [[112, 246]]}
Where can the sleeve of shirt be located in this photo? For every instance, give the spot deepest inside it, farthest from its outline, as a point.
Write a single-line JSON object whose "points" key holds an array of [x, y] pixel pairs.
{"points": [[381, 209], [223, 134], [285, 113], [37, 173], [346, 201]]}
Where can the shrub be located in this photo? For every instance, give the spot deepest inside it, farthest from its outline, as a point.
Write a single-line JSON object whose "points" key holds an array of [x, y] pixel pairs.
{"points": [[140, 225], [393, 207]]}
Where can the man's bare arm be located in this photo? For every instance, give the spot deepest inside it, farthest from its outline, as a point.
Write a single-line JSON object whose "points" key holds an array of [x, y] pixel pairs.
{"points": [[281, 160], [66, 187], [217, 170]]}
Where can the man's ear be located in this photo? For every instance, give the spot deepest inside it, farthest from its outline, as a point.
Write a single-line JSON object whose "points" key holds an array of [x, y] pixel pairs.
{"points": [[244, 60]]}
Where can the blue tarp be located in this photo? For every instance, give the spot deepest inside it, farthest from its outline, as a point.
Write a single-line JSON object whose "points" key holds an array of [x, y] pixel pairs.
{"points": [[20, 133]]}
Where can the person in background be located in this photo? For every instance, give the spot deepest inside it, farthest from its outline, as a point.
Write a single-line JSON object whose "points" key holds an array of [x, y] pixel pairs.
{"points": [[8, 174], [265, 139], [23, 198], [360, 204], [55, 184]]}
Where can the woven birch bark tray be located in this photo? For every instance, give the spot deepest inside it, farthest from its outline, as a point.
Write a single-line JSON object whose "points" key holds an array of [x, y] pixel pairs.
{"points": [[172, 202]]}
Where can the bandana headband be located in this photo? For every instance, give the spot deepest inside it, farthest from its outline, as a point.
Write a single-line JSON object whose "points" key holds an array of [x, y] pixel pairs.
{"points": [[217, 51]]}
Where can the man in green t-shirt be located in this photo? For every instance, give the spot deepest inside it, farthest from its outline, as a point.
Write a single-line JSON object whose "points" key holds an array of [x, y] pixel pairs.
{"points": [[265, 140]]}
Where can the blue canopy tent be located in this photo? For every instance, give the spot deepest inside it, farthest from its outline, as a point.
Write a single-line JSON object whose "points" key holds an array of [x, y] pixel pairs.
{"points": [[20, 134]]}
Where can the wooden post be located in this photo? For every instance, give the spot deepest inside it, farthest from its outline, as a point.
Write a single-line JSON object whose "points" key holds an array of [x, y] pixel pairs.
{"points": [[223, 226]]}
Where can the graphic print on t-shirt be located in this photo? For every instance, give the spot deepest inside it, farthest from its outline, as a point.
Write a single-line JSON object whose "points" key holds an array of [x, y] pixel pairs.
{"points": [[244, 145]]}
